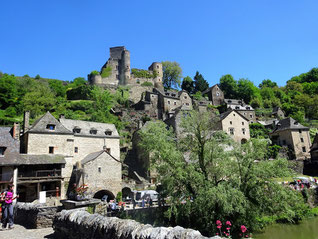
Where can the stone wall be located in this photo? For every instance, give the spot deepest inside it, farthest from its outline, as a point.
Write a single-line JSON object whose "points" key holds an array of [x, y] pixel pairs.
{"points": [[34, 216], [74, 224]]}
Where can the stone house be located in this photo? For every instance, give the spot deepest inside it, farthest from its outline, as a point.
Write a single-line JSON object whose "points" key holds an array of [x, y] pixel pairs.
{"points": [[175, 120], [314, 150], [234, 124], [100, 169], [278, 113], [244, 109], [74, 140], [290, 133], [117, 71], [215, 95]]}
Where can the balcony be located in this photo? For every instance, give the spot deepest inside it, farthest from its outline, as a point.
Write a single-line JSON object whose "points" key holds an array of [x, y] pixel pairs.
{"points": [[39, 175]]}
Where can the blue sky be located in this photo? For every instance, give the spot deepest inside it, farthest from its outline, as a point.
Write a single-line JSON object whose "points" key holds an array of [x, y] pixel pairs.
{"points": [[254, 39]]}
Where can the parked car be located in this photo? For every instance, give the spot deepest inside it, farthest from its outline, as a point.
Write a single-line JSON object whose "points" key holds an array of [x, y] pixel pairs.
{"points": [[154, 195]]}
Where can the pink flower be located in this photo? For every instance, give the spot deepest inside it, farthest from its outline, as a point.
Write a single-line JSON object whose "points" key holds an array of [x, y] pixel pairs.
{"points": [[246, 236], [243, 228], [228, 228], [219, 226], [218, 222], [217, 234], [228, 223]]}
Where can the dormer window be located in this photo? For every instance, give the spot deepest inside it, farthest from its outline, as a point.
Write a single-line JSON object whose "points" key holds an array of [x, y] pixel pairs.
{"points": [[173, 95], [229, 101], [2, 150], [93, 131], [50, 126], [237, 107], [77, 130], [108, 132], [248, 108]]}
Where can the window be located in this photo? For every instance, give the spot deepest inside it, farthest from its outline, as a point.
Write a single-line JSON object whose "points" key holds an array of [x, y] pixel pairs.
{"points": [[168, 102], [299, 131], [231, 131], [237, 107], [116, 67], [93, 131], [76, 130], [185, 97], [233, 114], [242, 123], [117, 76], [76, 150], [138, 81], [243, 130], [248, 108], [217, 93], [157, 67], [230, 122], [51, 150], [304, 149], [175, 103], [99, 169], [302, 140], [152, 96], [251, 116], [284, 142], [187, 103], [108, 132], [2, 150], [244, 113], [173, 95], [50, 127]]}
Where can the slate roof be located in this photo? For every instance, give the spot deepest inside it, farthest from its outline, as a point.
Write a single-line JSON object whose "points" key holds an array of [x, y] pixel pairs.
{"points": [[40, 125], [31, 159], [288, 123], [87, 126], [93, 156], [209, 89], [225, 114], [6, 140]]}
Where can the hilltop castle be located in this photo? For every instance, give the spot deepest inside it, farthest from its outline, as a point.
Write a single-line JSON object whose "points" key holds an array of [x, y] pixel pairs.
{"points": [[116, 71]]}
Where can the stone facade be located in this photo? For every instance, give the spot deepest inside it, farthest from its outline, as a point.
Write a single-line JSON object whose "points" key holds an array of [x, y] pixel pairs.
{"points": [[244, 109], [117, 71], [74, 224], [235, 125], [74, 139], [289, 133], [215, 95], [102, 171]]}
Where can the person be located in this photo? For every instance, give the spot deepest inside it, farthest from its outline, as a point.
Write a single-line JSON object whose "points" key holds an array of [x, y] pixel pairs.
{"points": [[8, 208], [143, 203]]}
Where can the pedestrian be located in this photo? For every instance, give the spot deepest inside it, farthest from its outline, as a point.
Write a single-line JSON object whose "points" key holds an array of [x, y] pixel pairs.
{"points": [[134, 203], [8, 208], [143, 203]]}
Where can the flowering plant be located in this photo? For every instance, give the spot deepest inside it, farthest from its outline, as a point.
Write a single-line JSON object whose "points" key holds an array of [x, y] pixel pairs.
{"points": [[227, 232]]}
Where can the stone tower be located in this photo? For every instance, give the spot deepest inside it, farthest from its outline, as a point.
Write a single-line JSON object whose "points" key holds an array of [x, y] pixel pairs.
{"points": [[156, 68]]}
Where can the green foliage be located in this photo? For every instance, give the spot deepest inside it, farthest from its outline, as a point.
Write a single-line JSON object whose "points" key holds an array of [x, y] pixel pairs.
{"points": [[172, 74], [229, 86], [258, 131], [273, 151], [119, 197], [147, 83], [37, 77], [267, 83], [200, 84], [94, 73], [90, 209], [8, 91], [82, 92], [197, 95], [219, 179], [247, 90], [188, 84], [106, 72], [143, 73]]}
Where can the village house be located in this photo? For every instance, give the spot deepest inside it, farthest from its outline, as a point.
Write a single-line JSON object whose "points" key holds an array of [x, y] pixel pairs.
{"points": [[244, 109], [215, 95], [278, 113], [74, 140], [234, 124], [290, 133]]}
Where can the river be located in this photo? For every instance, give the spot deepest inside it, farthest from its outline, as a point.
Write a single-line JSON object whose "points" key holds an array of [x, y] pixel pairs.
{"points": [[307, 229]]}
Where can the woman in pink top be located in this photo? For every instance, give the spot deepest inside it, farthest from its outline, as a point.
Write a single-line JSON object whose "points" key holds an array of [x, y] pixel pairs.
{"points": [[8, 209]]}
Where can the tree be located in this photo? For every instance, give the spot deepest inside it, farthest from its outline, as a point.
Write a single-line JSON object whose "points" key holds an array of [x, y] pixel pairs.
{"points": [[188, 84], [229, 86], [200, 84], [172, 74], [267, 83], [209, 177], [247, 90], [8, 91]]}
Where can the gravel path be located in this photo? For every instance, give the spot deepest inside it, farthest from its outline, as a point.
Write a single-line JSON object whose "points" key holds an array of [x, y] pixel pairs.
{"points": [[19, 232]]}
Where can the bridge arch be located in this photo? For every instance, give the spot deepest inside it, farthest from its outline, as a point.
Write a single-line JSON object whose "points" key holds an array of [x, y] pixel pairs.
{"points": [[103, 192]]}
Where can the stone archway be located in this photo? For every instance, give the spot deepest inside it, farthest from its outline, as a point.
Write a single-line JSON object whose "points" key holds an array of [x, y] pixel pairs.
{"points": [[101, 193], [243, 141], [126, 192]]}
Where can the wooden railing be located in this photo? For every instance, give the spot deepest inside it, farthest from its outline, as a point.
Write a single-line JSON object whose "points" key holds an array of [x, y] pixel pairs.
{"points": [[40, 173]]}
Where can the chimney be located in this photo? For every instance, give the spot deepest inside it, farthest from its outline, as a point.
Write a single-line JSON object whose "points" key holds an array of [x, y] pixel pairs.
{"points": [[26, 119], [62, 116], [16, 131]]}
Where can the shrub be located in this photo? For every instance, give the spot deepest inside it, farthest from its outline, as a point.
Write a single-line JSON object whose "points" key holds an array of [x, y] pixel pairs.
{"points": [[94, 73], [147, 83], [106, 72], [142, 73]]}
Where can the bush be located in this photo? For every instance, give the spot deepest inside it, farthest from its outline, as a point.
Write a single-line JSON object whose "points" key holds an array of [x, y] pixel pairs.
{"points": [[147, 83], [94, 73], [142, 73], [106, 72]]}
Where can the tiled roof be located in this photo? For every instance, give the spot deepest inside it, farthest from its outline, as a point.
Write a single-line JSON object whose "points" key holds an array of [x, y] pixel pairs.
{"points": [[40, 126], [95, 155], [87, 126], [289, 123], [6, 140], [31, 159], [225, 114]]}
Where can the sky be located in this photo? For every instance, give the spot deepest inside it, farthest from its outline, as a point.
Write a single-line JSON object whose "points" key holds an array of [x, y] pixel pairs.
{"points": [[253, 39]]}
